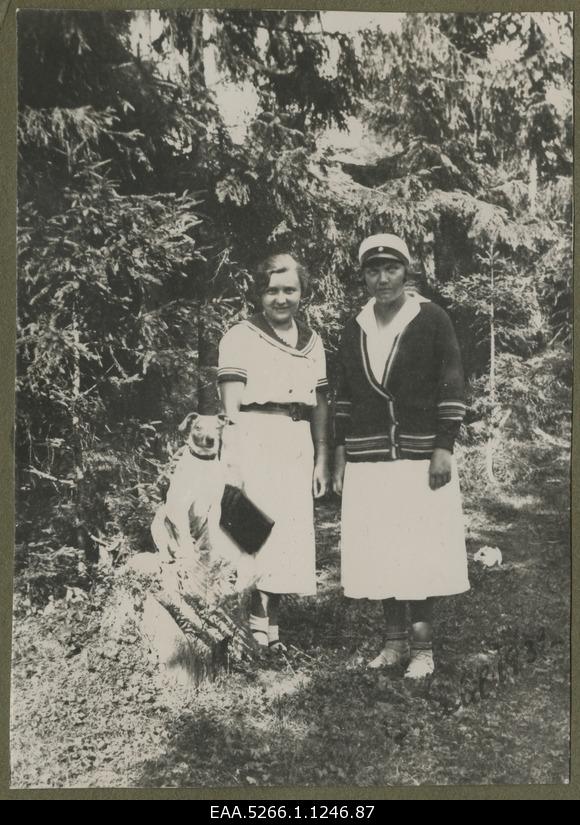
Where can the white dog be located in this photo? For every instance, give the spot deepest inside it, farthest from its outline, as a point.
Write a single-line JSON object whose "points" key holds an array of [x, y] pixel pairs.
{"points": [[195, 489], [196, 564]]}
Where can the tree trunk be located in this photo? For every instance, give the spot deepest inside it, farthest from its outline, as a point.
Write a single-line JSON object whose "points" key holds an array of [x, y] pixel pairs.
{"points": [[78, 472], [491, 443], [207, 357], [533, 183], [207, 397], [196, 64]]}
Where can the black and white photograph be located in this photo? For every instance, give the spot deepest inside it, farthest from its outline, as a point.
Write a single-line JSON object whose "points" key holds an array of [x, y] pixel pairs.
{"points": [[293, 399]]}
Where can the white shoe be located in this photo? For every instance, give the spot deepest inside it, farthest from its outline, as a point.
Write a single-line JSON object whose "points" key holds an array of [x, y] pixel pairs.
{"points": [[395, 652], [421, 664], [274, 642]]}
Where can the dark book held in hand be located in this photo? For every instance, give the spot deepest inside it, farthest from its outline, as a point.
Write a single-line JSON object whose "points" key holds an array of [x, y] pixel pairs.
{"points": [[244, 523]]}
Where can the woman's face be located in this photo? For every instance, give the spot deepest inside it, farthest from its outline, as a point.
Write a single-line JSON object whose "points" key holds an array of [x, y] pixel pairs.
{"points": [[281, 299], [385, 280]]}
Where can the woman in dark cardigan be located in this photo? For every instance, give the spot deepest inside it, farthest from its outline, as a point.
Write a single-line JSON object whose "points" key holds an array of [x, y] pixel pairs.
{"points": [[400, 403]]}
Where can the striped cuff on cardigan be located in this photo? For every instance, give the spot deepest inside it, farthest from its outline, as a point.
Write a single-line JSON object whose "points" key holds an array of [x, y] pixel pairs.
{"points": [[451, 411]]}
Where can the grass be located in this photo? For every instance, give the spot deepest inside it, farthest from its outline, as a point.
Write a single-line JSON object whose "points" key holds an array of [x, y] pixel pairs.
{"points": [[88, 713]]}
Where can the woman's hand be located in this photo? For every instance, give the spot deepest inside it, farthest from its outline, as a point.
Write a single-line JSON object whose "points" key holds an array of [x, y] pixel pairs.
{"points": [[339, 470], [320, 478], [439, 468], [233, 476], [319, 430]]}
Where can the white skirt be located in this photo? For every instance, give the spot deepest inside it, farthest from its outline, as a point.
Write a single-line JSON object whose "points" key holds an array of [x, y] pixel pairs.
{"points": [[276, 462], [400, 539]]}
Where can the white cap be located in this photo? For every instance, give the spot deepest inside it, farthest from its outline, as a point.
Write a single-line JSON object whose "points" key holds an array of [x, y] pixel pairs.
{"points": [[384, 246]]}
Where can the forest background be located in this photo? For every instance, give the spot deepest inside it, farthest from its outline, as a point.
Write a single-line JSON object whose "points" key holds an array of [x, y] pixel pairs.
{"points": [[161, 154], [143, 207]]}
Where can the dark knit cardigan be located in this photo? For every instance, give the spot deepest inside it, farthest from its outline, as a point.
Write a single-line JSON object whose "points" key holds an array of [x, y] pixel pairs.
{"points": [[418, 406]]}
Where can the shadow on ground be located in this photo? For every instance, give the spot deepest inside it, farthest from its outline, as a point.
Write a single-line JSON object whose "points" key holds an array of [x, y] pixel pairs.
{"points": [[499, 699]]}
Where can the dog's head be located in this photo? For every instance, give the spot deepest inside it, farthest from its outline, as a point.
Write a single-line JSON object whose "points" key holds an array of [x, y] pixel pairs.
{"points": [[203, 433]]}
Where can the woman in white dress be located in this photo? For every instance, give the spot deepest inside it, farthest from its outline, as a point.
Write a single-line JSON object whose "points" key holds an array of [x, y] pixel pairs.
{"points": [[400, 403], [272, 377]]}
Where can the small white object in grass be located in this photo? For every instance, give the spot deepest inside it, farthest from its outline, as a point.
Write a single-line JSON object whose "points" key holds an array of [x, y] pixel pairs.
{"points": [[489, 556]]}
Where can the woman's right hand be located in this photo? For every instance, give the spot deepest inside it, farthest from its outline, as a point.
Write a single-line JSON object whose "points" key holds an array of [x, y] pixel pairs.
{"points": [[233, 476], [339, 470]]}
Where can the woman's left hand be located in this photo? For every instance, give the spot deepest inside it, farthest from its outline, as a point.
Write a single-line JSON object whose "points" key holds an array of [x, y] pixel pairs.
{"points": [[439, 468], [320, 479]]}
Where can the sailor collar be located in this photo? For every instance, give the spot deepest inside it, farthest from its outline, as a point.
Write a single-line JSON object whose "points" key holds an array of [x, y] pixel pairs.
{"points": [[306, 337], [366, 318], [369, 334]]}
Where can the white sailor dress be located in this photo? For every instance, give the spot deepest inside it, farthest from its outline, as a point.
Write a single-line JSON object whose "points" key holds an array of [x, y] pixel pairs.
{"points": [[275, 453]]}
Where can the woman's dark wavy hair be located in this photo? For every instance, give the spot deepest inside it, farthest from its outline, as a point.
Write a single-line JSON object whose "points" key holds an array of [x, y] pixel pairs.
{"points": [[277, 263]]}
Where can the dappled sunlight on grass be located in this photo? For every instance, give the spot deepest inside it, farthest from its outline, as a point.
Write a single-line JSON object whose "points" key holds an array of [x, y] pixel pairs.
{"points": [[522, 502], [278, 684], [317, 716]]}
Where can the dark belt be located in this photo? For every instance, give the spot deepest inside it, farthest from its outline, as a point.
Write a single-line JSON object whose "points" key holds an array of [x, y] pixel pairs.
{"points": [[297, 412]]}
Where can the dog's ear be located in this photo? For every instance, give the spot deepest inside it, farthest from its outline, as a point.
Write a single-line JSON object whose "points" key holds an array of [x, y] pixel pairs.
{"points": [[186, 423], [224, 419]]}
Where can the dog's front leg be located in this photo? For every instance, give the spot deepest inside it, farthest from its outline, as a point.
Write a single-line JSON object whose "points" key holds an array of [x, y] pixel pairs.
{"points": [[162, 536], [181, 530]]}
